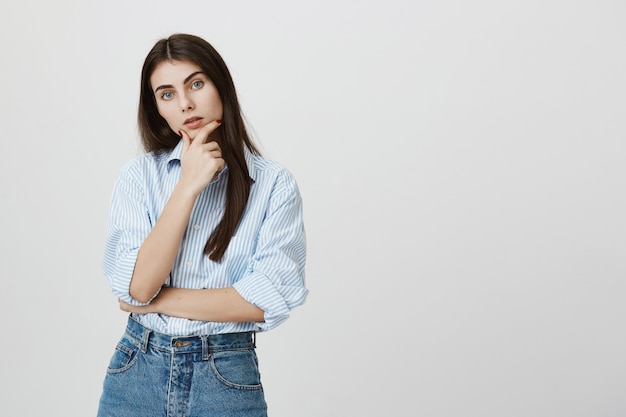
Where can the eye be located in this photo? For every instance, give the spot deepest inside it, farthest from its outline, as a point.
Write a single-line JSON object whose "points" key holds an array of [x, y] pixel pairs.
{"points": [[167, 95], [197, 84]]}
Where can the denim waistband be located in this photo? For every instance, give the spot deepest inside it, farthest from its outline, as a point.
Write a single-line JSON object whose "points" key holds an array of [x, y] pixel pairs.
{"points": [[189, 344]]}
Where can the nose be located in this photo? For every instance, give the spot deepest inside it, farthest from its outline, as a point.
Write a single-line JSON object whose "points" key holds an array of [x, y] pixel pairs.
{"points": [[186, 103]]}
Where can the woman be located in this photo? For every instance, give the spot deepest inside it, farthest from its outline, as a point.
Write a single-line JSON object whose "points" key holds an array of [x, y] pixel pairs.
{"points": [[205, 246]]}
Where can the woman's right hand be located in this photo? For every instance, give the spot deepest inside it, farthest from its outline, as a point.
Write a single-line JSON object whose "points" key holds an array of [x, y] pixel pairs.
{"points": [[200, 161]]}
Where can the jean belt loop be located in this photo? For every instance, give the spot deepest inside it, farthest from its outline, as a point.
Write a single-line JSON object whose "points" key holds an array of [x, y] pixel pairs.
{"points": [[146, 339], [205, 347], [254, 339]]}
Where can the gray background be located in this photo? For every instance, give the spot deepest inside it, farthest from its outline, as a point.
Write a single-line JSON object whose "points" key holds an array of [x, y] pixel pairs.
{"points": [[463, 166]]}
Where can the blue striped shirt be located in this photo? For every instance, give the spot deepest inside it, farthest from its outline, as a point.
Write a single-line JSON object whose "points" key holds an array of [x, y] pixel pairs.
{"points": [[264, 261]]}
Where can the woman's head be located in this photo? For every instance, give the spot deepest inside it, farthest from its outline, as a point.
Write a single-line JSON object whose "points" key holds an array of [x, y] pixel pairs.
{"points": [[158, 118], [185, 97]]}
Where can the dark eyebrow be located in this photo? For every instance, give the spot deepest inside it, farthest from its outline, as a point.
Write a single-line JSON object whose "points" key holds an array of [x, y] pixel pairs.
{"points": [[189, 77]]}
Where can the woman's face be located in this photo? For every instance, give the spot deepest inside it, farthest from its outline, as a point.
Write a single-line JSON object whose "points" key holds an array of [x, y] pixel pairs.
{"points": [[185, 96]]}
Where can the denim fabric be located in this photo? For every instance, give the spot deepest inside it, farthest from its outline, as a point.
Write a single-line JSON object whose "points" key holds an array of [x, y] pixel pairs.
{"points": [[156, 375]]}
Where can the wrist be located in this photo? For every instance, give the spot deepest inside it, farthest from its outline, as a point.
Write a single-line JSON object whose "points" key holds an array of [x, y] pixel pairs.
{"points": [[187, 189], [159, 304]]}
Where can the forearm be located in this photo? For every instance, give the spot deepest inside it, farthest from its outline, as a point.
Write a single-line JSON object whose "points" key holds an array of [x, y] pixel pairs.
{"points": [[222, 304], [158, 252]]}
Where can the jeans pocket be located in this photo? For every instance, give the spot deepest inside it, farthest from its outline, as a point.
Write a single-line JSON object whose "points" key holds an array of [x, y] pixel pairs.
{"points": [[237, 368], [125, 355]]}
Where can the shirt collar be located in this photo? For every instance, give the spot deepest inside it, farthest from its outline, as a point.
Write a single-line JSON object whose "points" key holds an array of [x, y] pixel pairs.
{"points": [[176, 152], [250, 163], [174, 155]]}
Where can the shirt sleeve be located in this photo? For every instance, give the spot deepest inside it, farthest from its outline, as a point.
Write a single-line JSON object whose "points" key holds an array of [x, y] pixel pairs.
{"points": [[128, 226], [275, 280]]}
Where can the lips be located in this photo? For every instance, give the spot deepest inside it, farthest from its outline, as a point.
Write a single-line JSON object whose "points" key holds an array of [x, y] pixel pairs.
{"points": [[193, 122]]}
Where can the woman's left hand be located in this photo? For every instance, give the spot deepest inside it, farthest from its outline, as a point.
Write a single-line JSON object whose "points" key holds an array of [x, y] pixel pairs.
{"points": [[155, 305], [150, 308]]}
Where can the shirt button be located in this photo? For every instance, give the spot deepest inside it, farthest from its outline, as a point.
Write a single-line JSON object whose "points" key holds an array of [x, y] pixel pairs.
{"points": [[189, 263], [196, 226]]}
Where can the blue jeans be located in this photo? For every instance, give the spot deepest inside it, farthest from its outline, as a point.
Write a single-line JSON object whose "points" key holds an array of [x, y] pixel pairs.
{"points": [[156, 375]]}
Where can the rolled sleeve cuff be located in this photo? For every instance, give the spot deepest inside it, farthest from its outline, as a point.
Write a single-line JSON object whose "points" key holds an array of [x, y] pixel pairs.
{"points": [[121, 277], [275, 301]]}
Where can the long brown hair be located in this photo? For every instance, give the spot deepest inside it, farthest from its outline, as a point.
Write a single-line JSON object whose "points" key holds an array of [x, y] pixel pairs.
{"points": [[156, 135]]}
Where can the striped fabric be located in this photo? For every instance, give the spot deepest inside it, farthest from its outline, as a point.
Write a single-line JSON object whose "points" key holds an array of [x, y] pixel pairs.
{"points": [[264, 261]]}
